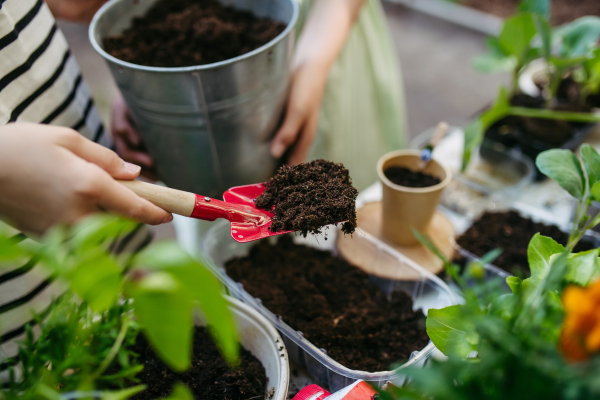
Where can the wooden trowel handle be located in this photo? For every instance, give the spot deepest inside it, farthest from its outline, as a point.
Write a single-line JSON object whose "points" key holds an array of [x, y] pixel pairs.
{"points": [[173, 200]]}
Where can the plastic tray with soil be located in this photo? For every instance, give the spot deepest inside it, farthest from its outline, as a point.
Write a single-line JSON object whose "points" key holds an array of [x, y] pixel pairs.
{"points": [[183, 33], [336, 321], [209, 376], [535, 135], [511, 232]]}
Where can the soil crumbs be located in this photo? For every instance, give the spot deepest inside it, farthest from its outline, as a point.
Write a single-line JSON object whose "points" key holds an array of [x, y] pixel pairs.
{"points": [[510, 232], [405, 177], [308, 196], [209, 377], [332, 303], [562, 10], [183, 33]]}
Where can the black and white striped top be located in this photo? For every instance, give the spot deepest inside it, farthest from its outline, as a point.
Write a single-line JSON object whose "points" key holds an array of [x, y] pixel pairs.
{"points": [[40, 82]]}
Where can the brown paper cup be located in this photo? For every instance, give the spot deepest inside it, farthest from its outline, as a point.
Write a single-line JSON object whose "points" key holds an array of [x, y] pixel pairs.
{"points": [[405, 208]]}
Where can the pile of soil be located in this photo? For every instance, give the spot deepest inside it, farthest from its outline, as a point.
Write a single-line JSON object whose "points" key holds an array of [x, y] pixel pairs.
{"points": [[562, 10], [308, 196], [183, 33], [510, 232], [332, 303], [208, 378], [405, 177]]}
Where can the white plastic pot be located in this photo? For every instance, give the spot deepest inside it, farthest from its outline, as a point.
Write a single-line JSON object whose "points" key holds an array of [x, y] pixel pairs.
{"points": [[260, 338]]}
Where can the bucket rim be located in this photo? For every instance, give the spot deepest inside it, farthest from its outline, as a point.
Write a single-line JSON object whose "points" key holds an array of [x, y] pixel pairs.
{"points": [[94, 26]]}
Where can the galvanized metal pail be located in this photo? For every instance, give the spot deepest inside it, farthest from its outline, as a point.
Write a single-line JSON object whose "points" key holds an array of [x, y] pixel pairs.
{"points": [[207, 127]]}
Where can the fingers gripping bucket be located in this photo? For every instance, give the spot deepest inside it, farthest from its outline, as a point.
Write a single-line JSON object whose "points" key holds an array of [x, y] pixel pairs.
{"points": [[207, 127]]}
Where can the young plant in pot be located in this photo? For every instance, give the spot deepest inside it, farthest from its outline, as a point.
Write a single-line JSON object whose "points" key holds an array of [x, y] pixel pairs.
{"points": [[560, 114], [125, 325], [539, 340]]}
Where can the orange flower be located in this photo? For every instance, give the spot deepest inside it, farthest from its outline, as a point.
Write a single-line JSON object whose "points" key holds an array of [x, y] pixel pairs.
{"points": [[580, 334]]}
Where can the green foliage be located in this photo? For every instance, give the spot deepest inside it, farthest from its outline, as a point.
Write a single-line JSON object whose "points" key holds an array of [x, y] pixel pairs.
{"points": [[569, 50], [158, 291], [451, 332]]}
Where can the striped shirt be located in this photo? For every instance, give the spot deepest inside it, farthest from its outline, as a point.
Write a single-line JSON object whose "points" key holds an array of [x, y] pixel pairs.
{"points": [[40, 82]]}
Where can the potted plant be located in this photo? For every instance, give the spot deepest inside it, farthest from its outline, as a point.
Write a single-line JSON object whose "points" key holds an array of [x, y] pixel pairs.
{"points": [[88, 344], [560, 115], [539, 341]]}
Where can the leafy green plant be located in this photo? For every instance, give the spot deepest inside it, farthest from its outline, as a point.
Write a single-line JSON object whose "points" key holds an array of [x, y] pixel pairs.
{"points": [[569, 50], [157, 291], [512, 338]]}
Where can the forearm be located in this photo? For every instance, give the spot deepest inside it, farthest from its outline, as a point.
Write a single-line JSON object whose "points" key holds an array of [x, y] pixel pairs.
{"points": [[326, 31]]}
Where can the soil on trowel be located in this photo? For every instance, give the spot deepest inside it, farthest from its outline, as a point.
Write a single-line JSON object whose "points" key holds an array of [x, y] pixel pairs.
{"points": [[183, 33], [562, 10], [406, 177], [308, 196], [332, 303], [208, 378], [511, 233]]}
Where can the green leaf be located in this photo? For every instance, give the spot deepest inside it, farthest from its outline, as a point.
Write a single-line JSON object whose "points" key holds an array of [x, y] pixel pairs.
{"points": [[563, 167], [495, 60], [514, 283], [541, 7], [164, 310], [516, 35], [123, 394], [451, 332], [499, 109], [202, 286], [180, 393], [596, 191], [591, 163], [473, 136], [426, 241], [539, 251], [583, 268], [580, 37], [97, 279]]}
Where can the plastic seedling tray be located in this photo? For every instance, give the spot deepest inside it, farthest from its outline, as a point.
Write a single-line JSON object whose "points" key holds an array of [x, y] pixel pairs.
{"points": [[426, 290], [494, 272]]}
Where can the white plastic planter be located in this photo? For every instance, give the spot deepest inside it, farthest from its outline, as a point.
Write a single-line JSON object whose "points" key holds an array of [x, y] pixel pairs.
{"points": [[260, 338]]}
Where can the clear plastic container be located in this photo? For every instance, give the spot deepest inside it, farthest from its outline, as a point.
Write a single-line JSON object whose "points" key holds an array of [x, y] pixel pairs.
{"points": [[535, 214], [500, 175], [427, 291]]}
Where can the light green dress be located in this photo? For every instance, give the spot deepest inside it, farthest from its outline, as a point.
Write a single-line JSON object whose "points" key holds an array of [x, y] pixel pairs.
{"points": [[363, 114]]}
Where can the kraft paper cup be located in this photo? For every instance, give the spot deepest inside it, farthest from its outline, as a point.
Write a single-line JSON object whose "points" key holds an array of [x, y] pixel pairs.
{"points": [[405, 208]]}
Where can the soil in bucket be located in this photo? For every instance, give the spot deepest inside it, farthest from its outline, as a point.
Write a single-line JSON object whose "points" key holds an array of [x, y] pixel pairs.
{"points": [[332, 303], [183, 33], [308, 196], [510, 232], [406, 177], [208, 378]]}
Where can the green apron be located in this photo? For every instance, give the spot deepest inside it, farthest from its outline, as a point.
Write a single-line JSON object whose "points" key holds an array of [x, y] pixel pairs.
{"points": [[363, 113]]}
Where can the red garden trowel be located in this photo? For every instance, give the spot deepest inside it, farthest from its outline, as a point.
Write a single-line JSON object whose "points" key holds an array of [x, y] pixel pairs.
{"points": [[248, 223]]}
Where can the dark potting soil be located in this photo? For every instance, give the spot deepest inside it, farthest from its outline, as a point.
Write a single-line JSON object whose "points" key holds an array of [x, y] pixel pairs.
{"points": [[208, 378], [308, 196], [405, 177], [562, 10], [182, 33], [332, 303], [510, 232]]}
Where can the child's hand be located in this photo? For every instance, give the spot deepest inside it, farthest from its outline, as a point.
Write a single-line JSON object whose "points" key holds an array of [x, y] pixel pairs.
{"points": [[52, 174], [75, 10], [127, 139]]}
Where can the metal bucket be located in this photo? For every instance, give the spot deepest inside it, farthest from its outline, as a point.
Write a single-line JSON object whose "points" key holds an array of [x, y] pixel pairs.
{"points": [[207, 127]]}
